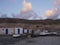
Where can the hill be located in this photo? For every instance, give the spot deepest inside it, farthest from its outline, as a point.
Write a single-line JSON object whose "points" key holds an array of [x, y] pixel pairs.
{"points": [[17, 20]]}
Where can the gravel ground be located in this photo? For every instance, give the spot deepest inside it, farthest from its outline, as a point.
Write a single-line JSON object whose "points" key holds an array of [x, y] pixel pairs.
{"points": [[42, 40]]}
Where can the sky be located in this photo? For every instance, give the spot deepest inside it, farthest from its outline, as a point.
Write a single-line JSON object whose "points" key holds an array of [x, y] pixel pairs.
{"points": [[43, 8]]}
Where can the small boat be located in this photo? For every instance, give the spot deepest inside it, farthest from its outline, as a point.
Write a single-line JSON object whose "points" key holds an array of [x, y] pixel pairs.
{"points": [[45, 33], [16, 35]]}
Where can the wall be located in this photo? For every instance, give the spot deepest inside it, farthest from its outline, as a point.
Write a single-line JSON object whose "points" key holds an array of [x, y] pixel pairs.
{"points": [[12, 31], [3, 31]]}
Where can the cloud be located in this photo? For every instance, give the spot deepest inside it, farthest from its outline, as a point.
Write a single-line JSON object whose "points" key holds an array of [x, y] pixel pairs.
{"points": [[27, 12], [28, 15], [57, 2], [35, 18], [3, 16], [27, 6], [53, 13]]}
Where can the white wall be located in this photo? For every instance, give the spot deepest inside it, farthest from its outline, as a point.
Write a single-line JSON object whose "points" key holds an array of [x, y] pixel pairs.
{"points": [[3, 30], [10, 30], [13, 30], [21, 30], [25, 30], [16, 30]]}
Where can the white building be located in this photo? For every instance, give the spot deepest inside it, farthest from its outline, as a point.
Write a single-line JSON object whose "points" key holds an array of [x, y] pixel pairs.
{"points": [[11, 31]]}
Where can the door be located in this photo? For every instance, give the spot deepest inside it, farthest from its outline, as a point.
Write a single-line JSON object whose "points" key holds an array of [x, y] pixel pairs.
{"points": [[6, 31], [18, 31]]}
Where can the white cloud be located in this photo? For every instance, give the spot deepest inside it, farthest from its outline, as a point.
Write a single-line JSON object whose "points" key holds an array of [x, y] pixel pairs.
{"points": [[57, 2], [53, 13], [27, 12], [27, 6]]}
